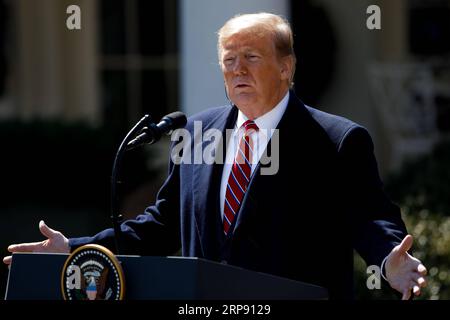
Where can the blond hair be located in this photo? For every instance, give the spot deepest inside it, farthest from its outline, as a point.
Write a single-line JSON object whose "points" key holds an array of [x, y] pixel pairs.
{"points": [[261, 24]]}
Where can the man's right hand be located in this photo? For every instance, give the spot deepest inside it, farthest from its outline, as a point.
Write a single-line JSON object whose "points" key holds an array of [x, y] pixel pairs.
{"points": [[56, 242]]}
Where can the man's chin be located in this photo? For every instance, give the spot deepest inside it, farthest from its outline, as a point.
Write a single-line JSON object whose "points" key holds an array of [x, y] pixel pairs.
{"points": [[243, 98]]}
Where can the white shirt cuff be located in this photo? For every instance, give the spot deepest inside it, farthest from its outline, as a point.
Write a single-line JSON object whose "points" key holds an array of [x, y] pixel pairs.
{"points": [[382, 268]]}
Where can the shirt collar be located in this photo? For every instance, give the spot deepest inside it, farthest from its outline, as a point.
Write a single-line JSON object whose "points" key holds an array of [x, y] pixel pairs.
{"points": [[270, 119]]}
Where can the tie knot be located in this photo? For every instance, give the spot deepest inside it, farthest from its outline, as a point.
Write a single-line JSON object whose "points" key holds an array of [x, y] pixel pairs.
{"points": [[250, 126]]}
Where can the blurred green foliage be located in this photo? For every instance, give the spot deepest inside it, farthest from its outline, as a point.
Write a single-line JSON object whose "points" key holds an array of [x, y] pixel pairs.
{"points": [[422, 189], [431, 234], [424, 183]]}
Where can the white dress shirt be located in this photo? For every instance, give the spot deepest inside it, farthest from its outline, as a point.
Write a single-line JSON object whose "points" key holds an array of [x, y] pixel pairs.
{"points": [[267, 124]]}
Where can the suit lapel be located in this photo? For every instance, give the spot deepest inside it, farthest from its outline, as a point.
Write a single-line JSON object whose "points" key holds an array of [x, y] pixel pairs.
{"points": [[206, 186], [295, 116]]}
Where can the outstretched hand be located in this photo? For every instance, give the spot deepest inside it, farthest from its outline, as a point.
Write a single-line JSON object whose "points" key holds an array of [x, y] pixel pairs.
{"points": [[55, 242], [404, 272]]}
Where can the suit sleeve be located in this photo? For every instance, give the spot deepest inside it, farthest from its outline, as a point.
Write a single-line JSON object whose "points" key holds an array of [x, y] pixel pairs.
{"points": [[155, 232], [377, 223]]}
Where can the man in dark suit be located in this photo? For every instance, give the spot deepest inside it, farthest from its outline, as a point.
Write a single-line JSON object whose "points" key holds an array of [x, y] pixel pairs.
{"points": [[300, 212]]}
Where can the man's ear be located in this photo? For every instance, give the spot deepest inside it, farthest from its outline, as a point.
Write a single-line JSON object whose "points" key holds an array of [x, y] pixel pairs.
{"points": [[286, 65]]}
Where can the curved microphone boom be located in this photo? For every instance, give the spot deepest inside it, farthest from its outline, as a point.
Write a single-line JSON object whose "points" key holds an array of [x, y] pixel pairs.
{"points": [[147, 132], [153, 132]]}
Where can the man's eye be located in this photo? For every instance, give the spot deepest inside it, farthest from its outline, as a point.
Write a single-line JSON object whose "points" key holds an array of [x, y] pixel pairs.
{"points": [[253, 57], [228, 60]]}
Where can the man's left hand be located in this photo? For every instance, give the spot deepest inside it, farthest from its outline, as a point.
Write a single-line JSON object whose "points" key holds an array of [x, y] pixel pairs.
{"points": [[404, 272]]}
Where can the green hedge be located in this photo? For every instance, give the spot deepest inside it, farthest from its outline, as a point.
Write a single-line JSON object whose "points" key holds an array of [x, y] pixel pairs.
{"points": [[424, 183], [422, 189], [431, 234]]}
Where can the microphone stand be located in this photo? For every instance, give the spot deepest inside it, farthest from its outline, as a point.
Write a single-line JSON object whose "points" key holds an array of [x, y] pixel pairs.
{"points": [[116, 217]]}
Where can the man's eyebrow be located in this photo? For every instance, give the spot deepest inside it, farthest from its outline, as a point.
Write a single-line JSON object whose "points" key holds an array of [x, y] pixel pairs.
{"points": [[241, 48]]}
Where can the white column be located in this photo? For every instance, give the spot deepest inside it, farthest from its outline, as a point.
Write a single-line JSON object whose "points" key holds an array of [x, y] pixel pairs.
{"points": [[39, 59], [57, 68], [201, 82], [81, 71]]}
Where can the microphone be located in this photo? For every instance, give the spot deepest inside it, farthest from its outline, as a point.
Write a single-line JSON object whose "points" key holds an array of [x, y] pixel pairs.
{"points": [[153, 132], [149, 133]]}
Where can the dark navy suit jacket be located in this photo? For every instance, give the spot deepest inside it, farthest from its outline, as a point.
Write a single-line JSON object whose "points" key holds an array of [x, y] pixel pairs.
{"points": [[302, 222]]}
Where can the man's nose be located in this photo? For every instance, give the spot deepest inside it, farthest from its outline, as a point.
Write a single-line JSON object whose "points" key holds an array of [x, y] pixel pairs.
{"points": [[239, 66]]}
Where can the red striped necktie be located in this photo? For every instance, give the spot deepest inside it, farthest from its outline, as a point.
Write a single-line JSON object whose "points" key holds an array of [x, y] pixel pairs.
{"points": [[239, 175]]}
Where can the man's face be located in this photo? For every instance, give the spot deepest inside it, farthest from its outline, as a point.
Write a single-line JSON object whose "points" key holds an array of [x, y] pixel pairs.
{"points": [[256, 79]]}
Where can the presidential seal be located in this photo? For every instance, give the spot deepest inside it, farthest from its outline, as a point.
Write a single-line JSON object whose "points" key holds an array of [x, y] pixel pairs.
{"points": [[92, 272]]}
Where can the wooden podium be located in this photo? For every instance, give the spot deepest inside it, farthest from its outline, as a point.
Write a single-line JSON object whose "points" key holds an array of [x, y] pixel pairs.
{"points": [[37, 276]]}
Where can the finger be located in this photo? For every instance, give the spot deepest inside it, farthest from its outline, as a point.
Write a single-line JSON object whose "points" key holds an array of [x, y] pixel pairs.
{"points": [[416, 290], [7, 260], [46, 231], [422, 282], [24, 247], [422, 270], [406, 294], [406, 243]]}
